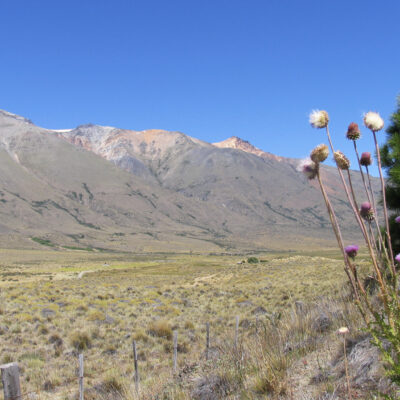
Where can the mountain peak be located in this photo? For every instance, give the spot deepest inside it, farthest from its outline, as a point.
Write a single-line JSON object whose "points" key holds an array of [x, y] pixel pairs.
{"points": [[235, 142], [15, 117]]}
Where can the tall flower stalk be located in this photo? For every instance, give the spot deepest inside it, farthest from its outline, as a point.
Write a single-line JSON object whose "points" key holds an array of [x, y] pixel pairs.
{"points": [[382, 317], [342, 163], [385, 213]]}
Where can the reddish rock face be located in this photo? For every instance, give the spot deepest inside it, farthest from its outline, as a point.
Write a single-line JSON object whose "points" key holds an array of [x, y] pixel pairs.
{"points": [[235, 142]]}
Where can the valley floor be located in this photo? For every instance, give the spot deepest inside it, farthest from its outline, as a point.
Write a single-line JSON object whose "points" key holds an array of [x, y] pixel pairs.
{"points": [[57, 304]]}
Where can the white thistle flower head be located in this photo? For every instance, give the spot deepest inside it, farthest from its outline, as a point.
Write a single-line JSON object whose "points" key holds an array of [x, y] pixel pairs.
{"points": [[341, 160], [309, 168], [320, 153], [319, 119], [373, 121], [343, 330]]}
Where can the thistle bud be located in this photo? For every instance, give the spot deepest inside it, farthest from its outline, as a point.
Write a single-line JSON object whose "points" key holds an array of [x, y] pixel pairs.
{"points": [[341, 160], [397, 220], [373, 121], [353, 132], [397, 258], [366, 211], [319, 119], [366, 159], [320, 153], [351, 251], [309, 168]]}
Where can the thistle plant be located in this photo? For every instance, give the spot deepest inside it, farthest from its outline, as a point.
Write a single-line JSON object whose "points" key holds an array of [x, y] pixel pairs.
{"points": [[380, 310]]}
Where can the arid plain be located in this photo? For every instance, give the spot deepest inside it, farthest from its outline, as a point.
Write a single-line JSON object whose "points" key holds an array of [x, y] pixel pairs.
{"points": [[57, 303]]}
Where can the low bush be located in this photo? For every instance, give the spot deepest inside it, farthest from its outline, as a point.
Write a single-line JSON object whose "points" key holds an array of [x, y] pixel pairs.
{"points": [[160, 328], [80, 340]]}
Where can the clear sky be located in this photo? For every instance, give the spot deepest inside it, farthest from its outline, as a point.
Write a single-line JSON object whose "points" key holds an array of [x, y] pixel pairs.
{"points": [[209, 68]]}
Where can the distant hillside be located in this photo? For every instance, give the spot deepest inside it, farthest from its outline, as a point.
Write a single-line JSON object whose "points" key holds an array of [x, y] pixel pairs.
{"points": [[155, 190]]}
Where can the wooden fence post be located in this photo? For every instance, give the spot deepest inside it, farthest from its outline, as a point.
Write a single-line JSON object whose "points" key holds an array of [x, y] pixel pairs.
{"points": [[236, 332], [135, 360], [207, 339], [10, 379], [81, 394], [175, 350]]}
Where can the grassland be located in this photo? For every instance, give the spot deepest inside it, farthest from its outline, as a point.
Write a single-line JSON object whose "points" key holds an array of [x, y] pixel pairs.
{"points": [[55, 304]]}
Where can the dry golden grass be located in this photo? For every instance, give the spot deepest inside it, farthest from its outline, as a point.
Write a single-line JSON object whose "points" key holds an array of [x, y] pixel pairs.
{"points": [[48, 315]]}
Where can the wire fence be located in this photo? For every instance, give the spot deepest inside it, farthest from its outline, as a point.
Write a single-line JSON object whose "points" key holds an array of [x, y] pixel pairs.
{"points": [[10, 373]]}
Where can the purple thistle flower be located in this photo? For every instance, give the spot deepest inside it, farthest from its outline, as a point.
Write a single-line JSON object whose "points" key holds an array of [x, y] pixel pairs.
{"points": [[397, 258], [366, 206], [366, 211], [353, 132], [366, 159], [397, 220], [351, 250]]}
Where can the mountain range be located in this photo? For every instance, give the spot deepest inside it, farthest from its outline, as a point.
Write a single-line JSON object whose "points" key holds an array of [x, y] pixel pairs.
{"points": [[99, 187]]}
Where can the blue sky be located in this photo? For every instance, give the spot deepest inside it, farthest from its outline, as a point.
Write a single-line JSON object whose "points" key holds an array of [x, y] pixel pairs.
{"points": [[211, 69]]}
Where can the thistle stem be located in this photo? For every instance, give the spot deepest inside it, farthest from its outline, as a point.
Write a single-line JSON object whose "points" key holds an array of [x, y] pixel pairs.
{"points": [[371, 236], [381, 241], [378, 154], [361, 172], [346, 369], [336, 230], [365, 234], [351, 189]]}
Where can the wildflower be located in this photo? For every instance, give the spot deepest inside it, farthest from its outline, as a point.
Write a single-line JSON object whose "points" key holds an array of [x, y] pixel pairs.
{"points": [[366, 159], [343, 330], [397, 258], [353, 132], [366, 211], [319, 119], [309, 168], [351, 250], [320, 153], [341, 160], [373, 121], [397, 220]]}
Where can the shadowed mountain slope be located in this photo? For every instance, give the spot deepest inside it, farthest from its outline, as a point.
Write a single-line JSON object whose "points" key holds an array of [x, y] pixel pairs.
{"points": [[156, 190]]}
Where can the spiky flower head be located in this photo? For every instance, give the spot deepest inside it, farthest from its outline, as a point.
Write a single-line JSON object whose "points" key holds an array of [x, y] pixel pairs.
{"points": [[351, 250], [343, 330], [309, 168], [373, 121], [366, 211], [366, 159], [397, 258], [341, 160], [319, 119], [320, 153], [397, 220], [353, 132]]}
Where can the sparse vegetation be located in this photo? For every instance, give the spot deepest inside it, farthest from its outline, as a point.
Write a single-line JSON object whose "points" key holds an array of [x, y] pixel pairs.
{"points": [[146, 298], [44, 242]]}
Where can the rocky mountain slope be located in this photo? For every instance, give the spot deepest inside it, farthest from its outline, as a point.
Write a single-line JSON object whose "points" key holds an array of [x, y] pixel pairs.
{"points": [[235, 142], [155, 190]]}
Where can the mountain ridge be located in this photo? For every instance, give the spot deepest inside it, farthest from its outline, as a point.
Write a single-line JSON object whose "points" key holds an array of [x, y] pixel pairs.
{"points": [[157, 190]]}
